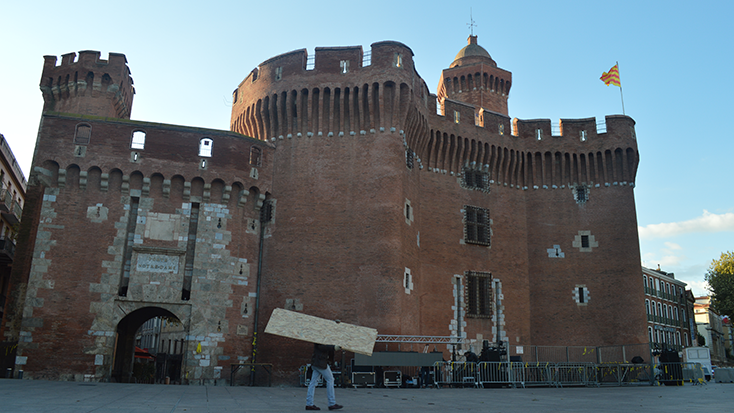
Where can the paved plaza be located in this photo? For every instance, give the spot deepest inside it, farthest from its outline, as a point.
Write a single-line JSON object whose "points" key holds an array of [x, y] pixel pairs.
{"points": [[66, 397]]}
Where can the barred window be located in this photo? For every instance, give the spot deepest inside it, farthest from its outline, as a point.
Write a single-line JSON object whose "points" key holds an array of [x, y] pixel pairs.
{"points": [[476, 225], [474, 179], [478, 294]]}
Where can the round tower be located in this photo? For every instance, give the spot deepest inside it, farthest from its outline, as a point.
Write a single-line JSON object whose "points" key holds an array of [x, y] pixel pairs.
{"points": [[88, 85], [474, 78]]}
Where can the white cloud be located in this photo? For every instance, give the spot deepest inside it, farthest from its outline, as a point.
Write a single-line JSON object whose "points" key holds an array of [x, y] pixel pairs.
{"points": [[673, 246], [707, 222], [699, 288]]}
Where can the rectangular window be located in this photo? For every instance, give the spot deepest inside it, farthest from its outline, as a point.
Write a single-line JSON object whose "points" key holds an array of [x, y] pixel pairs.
{"points": [[255, 156], [584, 241], [478, 294], [476, 225], [456, 116], [476, 179], [138, 141], [82, 135]]}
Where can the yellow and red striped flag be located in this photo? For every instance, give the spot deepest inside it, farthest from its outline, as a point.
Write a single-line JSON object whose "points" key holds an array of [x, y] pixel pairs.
{"points": [[611, 77]]}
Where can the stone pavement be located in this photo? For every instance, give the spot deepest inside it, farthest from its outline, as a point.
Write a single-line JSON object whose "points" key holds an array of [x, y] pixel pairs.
{"points": [[17, 396]]}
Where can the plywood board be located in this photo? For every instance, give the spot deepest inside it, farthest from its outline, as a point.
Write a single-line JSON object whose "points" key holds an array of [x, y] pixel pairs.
{"points": [[304, 327]]}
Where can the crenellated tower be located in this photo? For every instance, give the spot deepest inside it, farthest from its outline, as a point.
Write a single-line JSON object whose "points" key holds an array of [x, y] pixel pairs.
{"points": [[474, 78], [88, 85]]}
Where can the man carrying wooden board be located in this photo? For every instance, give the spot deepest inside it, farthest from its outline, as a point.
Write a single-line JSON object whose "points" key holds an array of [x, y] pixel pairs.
{"points": [[327, 336]]}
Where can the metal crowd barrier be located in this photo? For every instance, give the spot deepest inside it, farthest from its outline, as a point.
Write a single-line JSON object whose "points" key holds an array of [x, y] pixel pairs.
{"points": [[677, 374], [622, 374], [455, 373], [525, 374], [574, 374]]}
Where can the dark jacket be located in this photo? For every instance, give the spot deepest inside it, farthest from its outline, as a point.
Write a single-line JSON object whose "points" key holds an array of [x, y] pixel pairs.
{"points": [[322, 355]]}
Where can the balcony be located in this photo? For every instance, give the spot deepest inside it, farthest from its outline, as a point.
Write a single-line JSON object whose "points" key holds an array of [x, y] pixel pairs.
{"points": [[6, 200], [13, 213], [7, 251]]}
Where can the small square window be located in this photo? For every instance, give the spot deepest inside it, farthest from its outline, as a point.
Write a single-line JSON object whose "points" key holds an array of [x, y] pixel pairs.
{"points": [[476, 180], [581, 194]]}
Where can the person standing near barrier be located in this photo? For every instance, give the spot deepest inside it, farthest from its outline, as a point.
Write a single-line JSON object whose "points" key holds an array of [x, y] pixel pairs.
{"points": [[322, 355]]}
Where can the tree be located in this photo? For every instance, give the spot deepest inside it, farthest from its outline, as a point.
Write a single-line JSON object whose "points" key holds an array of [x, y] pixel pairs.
{"points": [[720, 277]]}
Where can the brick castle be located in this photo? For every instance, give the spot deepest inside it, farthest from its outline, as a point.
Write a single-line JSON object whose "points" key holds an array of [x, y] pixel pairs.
{"points": [[345, 190]]}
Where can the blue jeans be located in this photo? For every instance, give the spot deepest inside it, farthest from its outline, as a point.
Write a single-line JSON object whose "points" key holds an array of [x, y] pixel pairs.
{"points": [[326, 374]]}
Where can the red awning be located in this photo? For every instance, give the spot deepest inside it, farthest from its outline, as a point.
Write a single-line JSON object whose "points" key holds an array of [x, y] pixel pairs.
{"points": [[143, 354]]}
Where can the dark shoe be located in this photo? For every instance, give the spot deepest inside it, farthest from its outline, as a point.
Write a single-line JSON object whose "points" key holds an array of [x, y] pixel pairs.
{"points": [[312, 407], [335, 407]]}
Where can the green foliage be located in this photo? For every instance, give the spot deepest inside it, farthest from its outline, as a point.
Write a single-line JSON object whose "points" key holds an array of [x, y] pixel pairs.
{"points": [[720, 277], [701, 340]]}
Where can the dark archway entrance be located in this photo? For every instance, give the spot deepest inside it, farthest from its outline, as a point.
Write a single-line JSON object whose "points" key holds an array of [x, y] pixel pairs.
{"points": [[125, 346]]}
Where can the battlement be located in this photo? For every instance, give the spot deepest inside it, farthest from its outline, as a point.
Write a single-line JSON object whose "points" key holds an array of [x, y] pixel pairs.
{"points": [[88, 85], [333, 60], [86, 59], [621, 127]]}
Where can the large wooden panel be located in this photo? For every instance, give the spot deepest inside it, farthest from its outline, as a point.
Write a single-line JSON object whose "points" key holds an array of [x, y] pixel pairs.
{"points": [[304, 327]]}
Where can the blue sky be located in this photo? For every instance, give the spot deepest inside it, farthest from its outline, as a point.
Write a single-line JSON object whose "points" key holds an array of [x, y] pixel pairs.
{"points": [[675, 58]]}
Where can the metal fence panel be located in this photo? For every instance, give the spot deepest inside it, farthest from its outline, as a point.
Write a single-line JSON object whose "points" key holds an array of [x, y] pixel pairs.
{"points": [[455, 373], [621, 374], [574, 374]]}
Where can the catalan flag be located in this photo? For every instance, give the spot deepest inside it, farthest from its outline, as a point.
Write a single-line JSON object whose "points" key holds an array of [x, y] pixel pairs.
{"points": [[611, 77]]}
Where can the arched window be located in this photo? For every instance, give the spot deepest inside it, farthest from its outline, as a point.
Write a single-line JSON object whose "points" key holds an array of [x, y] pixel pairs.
{"points": [[665, 309], [205, 147], [644, 278], [649, 333], [138, 140], [647, 306]]}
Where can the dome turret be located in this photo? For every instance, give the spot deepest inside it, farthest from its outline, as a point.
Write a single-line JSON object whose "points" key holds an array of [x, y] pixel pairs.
{"points": [[475, 79], [472, 53]]}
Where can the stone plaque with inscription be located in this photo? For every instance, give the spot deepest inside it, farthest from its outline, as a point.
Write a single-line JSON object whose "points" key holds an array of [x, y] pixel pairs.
{"points": [[157, 263]]}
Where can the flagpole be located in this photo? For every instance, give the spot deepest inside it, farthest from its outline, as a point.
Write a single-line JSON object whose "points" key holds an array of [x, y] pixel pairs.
{"points": [[620, 90]]}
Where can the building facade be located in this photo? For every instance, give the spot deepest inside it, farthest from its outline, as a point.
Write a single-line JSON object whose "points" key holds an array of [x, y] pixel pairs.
{"points": [[344, 190], [710, 326], [668, 313], [12, 198]]}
